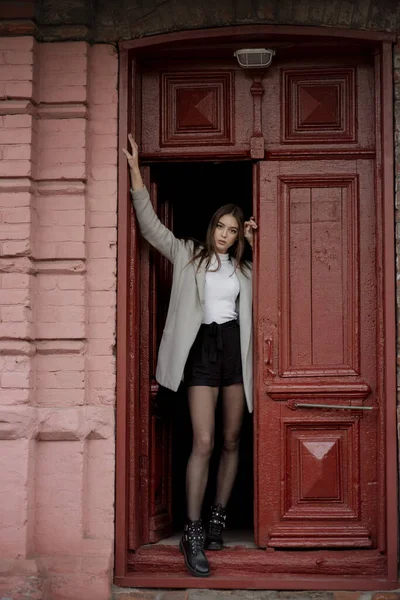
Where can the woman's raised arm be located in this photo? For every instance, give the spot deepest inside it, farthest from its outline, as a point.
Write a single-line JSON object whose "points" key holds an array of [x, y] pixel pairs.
{"points": [[150, 225]]}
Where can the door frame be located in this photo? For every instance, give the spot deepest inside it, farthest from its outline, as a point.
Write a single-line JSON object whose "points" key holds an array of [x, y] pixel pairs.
{"points": [[128, 309]]}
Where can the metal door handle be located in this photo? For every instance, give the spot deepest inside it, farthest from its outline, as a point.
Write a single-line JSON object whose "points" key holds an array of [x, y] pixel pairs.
{"points": [[341, 406]]}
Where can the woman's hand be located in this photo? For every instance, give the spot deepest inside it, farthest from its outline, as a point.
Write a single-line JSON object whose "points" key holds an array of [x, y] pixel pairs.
{"points": [[249, 227], [133, 162], [133, 155]]}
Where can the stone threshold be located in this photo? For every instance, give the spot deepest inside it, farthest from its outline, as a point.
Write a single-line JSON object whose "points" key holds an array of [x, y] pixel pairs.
{"points": [[138, 594]]}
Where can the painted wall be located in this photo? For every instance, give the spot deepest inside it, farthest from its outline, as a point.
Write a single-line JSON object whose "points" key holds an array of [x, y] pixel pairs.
{"points": [[58, 197]]}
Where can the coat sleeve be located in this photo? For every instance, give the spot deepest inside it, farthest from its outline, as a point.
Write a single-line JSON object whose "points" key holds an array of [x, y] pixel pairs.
{"points": [[151, 227]]}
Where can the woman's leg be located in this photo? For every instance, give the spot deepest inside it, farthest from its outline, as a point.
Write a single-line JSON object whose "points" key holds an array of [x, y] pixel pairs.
{"points": [[233, 409], [202, 404]]}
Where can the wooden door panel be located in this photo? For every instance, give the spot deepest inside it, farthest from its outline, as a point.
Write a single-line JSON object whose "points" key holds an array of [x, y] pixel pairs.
{"points": [[317, 466], [155, 427], [315, 107], [196, 110], [319, 276]]}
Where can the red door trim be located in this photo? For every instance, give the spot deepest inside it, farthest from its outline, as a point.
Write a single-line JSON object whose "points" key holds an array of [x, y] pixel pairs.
{"points": [[389, 291], [121, 510], [384, 181]]}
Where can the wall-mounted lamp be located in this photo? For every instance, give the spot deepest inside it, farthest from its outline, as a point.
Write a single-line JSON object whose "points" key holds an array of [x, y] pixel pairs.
{"points": [[254, 58]]}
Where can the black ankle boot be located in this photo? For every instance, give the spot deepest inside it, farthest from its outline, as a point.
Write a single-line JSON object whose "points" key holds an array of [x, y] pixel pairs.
{"points": [[216, 524], [192, 548]]}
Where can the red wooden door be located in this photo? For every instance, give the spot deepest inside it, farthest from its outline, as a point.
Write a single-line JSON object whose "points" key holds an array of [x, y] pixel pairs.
{"points": [[318, 482], [155, 424]]}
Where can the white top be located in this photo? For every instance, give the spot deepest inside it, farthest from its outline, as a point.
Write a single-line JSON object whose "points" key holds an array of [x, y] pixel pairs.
{"points": [[221, 290]]}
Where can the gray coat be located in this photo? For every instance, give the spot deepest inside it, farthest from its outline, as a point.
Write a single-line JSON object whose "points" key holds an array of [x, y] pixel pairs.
{"points": [[185, 311]]}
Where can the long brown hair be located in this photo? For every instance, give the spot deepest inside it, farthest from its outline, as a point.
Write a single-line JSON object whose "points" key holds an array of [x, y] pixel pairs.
{"points": [[208, 250]]}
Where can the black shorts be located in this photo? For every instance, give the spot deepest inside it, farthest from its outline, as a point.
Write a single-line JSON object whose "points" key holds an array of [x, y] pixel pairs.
{"points": [[214, 359]]}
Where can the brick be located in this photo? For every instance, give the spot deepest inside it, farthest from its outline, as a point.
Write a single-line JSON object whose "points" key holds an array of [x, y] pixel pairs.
{"points": [[47, 314], [49, 218], [17, 215], [15, 313], [18, 121], [61, 203], [63, 142], [14, 231], [56, 397], [103, 219], [16, 136], [46, 282], [60, 233], [70, 250], [16, 330], [101, 282], [15, 168], [66, 78], [62, 155], [19, 89], [12, 296], [17, 43], [100, 347], [70, 379], [56, 62], [16, 73], [99, 397], [101, 363], [101, 380], [103, 235], [61, 362], [104, 126], [60, 330], [17, 152], [100, 250], [18, 58], [15, 280], [16, 380], [103, 156], [16, 248], [71, 93], [62, 171], [104, 59], [70, 282], [106, 96], [102, 203], [103, 190], [66, 126], [46, 380], [104, 331], [104, 111], [71, 314], [14, 199], [62, 298], [109, 140], [16, 396], [102, 298]]}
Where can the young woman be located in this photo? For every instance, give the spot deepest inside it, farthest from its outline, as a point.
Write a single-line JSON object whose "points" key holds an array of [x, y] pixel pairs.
{"points": [[203, 344]]}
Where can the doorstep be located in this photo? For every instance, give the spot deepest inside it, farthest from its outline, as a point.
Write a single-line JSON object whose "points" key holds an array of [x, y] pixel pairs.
{"points": [[140, 594]]}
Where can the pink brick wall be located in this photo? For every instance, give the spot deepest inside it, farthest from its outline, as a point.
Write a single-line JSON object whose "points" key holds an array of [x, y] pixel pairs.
{"points": [[58, 201]]}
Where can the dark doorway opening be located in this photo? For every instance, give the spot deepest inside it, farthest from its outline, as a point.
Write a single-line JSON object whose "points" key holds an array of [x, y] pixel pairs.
{"points": [[192, 193]]}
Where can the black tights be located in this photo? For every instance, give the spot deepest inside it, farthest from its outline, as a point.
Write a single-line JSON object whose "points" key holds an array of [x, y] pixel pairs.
{"points": [[202, 404]]}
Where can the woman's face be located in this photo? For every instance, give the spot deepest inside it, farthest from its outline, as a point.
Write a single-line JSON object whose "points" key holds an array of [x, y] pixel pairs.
{"points": [[225, 233]]}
